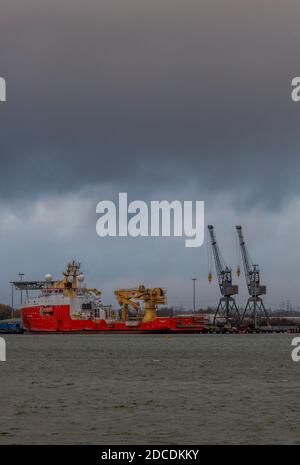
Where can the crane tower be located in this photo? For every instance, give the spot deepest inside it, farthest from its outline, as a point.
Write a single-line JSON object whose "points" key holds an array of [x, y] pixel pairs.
{"points": [[255, 305], [227, 307]]}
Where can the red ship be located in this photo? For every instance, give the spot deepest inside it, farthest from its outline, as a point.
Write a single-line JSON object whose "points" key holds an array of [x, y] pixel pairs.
{"points": [[69, 306]]}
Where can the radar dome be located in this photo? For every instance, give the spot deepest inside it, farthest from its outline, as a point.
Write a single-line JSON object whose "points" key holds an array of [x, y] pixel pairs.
{"points": [[80, 278], [48, 277]]}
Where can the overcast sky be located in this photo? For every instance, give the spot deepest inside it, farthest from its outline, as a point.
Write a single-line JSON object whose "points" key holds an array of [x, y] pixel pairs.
{"points": [[163, 99]]}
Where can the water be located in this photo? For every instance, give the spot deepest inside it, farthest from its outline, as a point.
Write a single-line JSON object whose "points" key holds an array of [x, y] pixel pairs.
{"points": [[148, 389]]}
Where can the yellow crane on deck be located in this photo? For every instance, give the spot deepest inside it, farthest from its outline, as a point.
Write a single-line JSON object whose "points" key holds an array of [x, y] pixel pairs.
{"points": [[131, 298]]}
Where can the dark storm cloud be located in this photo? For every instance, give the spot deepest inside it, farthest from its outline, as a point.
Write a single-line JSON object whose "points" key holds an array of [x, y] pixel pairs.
{"points": [[162, 99], [140, 93]]}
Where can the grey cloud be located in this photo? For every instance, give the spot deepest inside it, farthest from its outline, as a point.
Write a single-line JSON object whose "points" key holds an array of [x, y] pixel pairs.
{"points": [[160, 98], [111, 91]]}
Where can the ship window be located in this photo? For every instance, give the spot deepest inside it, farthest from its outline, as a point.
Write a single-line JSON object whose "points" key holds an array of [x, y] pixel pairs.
{"points": [[87, 306]]}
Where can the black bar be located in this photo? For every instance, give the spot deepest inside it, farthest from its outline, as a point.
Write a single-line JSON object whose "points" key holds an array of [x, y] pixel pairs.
{"points": [[93, 454]]}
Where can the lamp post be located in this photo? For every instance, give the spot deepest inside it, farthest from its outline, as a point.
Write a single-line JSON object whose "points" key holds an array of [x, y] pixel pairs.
{"points": [[194, 293], [21, 278], [12, 301]]}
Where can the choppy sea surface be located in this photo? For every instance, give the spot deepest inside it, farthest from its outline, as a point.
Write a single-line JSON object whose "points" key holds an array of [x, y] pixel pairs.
{"points": [[149, 389]]}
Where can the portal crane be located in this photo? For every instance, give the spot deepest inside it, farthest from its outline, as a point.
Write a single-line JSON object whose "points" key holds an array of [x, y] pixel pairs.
{"points": [[255, 304], [130, 298], [227, 307]]}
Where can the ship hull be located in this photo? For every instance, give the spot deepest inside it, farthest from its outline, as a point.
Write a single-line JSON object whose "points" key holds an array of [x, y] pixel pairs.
{"points": [[60, 321]]}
